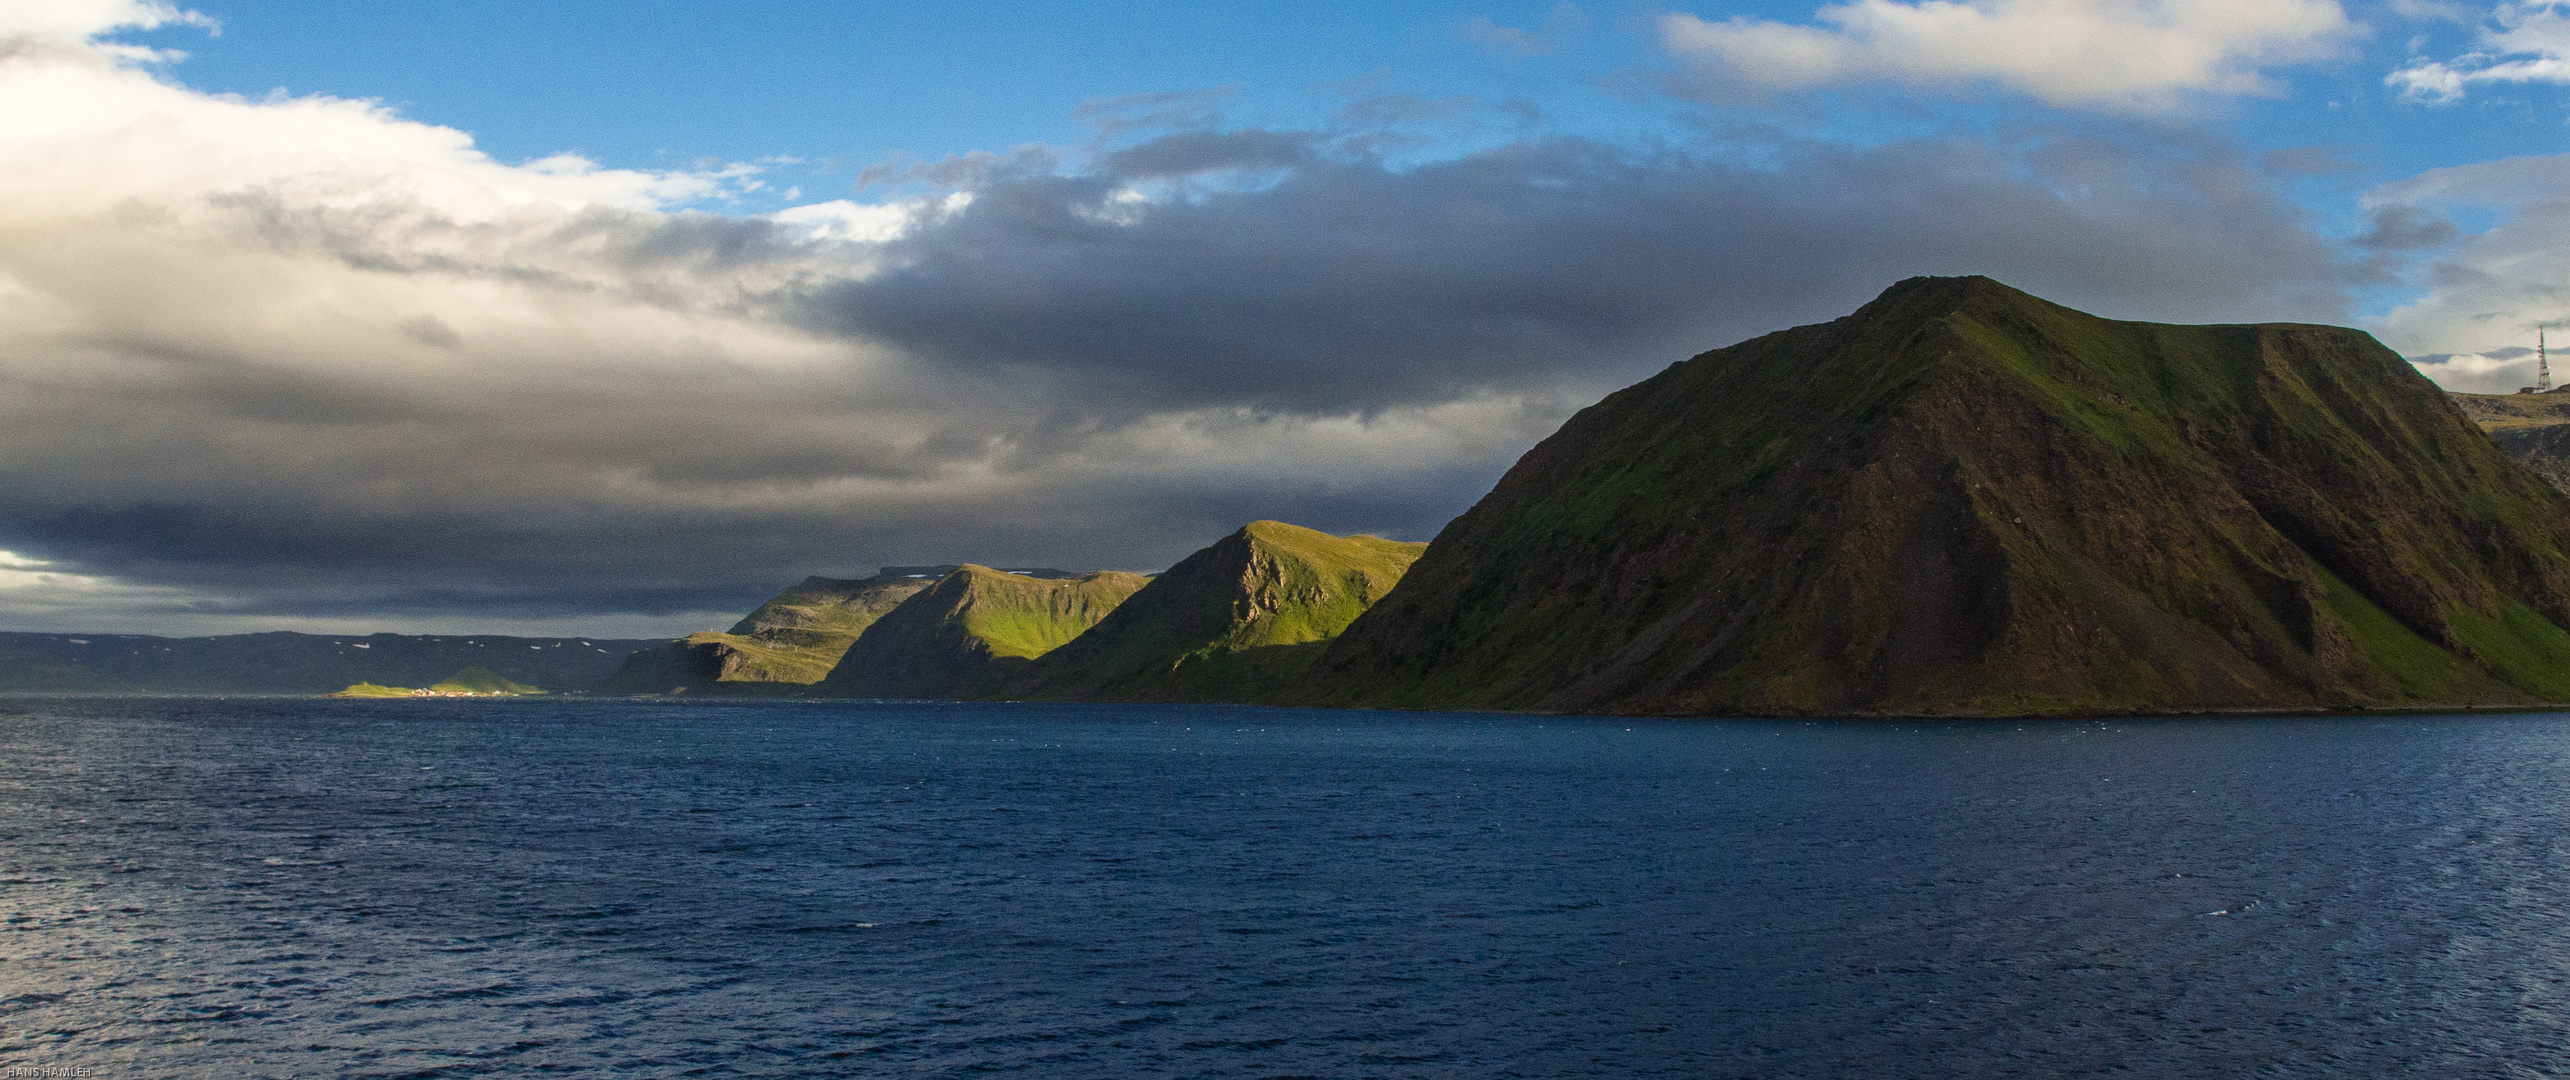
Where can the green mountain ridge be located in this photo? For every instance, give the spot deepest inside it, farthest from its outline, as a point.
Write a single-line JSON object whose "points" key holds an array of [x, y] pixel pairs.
{"points": [[1964, 500], [972, 631], [1237, 621], [792, 640]]}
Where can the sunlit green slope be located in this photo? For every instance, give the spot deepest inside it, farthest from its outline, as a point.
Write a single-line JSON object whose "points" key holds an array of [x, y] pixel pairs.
{"points": [[1237, 621], [789, 642], [972, 630]]}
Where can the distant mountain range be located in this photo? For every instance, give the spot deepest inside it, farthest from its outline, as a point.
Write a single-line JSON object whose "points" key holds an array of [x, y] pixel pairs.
{"points": [[1958, 500], [1238, 621], [288, 663]]}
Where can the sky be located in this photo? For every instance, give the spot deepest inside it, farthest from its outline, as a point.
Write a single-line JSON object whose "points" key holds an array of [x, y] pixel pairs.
{"points": [[615, 319]]}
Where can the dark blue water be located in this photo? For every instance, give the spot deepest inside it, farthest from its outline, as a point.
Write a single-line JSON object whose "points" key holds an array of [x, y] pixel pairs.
{"points": [[300, 888]]}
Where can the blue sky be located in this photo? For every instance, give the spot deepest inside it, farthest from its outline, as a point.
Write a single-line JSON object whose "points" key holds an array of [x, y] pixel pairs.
{"points": [[614, 319], [839, 86], [657, 84]]}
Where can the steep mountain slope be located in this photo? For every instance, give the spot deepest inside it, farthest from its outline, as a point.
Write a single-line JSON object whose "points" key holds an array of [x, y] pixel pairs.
{"points": [[2533, 428], [792, 640], [291, 663], [1964, 500], [1237, 621], [973, 630]]}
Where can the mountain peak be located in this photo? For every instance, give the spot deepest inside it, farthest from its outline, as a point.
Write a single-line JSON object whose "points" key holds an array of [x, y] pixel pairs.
{"points": [[969, 630], [1236, 621], [1965, 499]]}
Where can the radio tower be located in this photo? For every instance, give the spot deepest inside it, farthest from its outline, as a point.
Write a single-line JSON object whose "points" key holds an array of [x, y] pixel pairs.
{"points": [[2542, 367]]}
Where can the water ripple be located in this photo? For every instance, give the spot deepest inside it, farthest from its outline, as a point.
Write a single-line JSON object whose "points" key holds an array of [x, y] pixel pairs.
{"points": [[451, 889]]}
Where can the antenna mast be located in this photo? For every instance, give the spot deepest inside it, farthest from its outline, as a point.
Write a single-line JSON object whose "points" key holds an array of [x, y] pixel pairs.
{"points": [[2542, 366]]}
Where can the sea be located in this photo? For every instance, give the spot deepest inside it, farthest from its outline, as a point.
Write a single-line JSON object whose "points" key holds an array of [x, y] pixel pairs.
{"points": [[317, 888]]}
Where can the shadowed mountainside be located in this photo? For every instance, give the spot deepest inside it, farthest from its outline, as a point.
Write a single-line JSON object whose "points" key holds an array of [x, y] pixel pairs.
{"points": [[1964, 500], [1237, 621], [973, 630]]}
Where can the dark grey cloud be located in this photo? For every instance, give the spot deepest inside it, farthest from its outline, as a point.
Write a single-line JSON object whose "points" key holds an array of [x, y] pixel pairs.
{"points": [[410, 394], [2396, 228], [1194, 152], [1350, 285]]}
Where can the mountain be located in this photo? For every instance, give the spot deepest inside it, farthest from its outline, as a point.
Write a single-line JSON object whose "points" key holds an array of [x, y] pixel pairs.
{"points": [[971, 630], [290, 663], [2533, 428], [792, 640], [1961, 499], [1237, 621], [480, 680]]}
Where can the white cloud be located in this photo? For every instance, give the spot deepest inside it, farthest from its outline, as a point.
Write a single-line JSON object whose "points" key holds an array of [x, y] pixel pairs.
{"points": [[34, 592], [2524, 43], [841, 219], [38, 595], [279, 359], [2484, 294], [303, 360], [2504, 371], [316, 302], [2126, 55], [74, 23]]}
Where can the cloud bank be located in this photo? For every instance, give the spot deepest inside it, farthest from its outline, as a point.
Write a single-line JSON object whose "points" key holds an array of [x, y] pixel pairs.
{"points": [[305, 361], [2483, 294], [2138, 56], [2521, 43]]}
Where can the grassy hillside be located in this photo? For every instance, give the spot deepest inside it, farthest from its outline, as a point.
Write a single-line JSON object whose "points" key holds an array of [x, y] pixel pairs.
{"points": [[791, 641], [972, 630], [1237, 621], [1963, 499]]}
